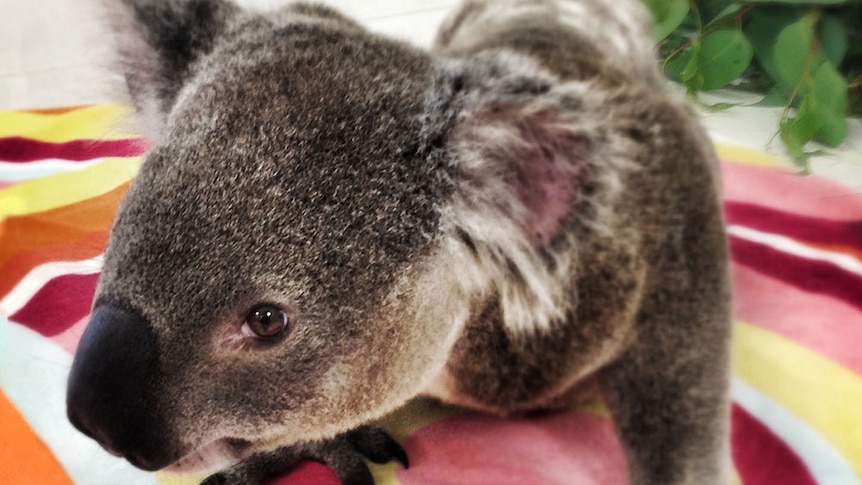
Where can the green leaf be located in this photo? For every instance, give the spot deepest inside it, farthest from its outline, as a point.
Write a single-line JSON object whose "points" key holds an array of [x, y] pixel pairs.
{"points": [[676, 65], [762, 29], [793, 140], [833, 39], [719, 107], [829, 97], [731, 9], [820, 115], [691, 70], [808, 120], [668, 15], [712, 10], [724, 55], [684, 67], [792, 50], [802, 2], [773, 98]]}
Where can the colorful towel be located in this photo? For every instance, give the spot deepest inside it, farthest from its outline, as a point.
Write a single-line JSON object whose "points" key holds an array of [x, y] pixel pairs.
{"points": [[797, 387]]}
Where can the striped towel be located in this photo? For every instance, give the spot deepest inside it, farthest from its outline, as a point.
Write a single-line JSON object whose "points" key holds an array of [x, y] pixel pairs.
{"points": [[797, 387]]}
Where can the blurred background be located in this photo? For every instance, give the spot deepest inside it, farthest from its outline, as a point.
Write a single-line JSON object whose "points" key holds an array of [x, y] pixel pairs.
{"points": [[58, 53]]}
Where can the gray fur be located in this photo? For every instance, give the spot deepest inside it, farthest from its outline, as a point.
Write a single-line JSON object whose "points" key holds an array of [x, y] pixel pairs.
{"points": [[496, 223]]}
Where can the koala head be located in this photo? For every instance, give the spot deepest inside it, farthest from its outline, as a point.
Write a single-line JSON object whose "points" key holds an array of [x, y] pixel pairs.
{"points": [[289, 263], [255, 271]]}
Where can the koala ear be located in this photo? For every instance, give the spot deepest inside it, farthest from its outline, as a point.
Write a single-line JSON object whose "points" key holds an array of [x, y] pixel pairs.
{"points": [[516, 135], [158, 41]]}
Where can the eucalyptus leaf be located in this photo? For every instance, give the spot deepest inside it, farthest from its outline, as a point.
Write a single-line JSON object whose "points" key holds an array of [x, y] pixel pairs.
{"points": [[692, 76], [675, 66], [711, 10], [731, 9], [833, 39], [808, 120], [762, 29], [792, 50], [719, 107], [793, 140], [724, 55], [798, 53], [802, 2], [773, 98], [668, 15], [829, 95]]}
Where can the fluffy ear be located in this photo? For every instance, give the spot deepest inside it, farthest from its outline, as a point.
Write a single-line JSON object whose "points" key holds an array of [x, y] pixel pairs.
{"points": [[518, 139], [158, 42]]}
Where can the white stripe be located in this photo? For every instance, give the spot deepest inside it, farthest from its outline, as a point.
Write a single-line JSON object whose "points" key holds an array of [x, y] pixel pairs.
{"points": [[825, 463], [15, 172], [33, 373], [791, 246], [42, 274]]}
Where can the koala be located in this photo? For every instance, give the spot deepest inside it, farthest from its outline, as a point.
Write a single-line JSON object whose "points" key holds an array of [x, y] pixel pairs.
{"points": [[330, 223]]}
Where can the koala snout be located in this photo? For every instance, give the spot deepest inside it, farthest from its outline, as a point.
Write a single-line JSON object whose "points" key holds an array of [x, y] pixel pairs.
{"points": [[111, 388]]}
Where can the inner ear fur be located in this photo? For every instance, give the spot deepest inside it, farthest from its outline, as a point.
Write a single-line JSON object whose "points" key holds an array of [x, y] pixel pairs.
{"points": [[505, 119], [541, 158], [158, 42]]}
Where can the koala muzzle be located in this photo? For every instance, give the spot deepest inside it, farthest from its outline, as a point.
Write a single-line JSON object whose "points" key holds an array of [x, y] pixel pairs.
{"points": [[111, 389]]}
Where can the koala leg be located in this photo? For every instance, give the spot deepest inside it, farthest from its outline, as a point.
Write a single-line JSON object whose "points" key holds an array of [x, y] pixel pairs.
{"points": [[668, 396], [345, 454]]}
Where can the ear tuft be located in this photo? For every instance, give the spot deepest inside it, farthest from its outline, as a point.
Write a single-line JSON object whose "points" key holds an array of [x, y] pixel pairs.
{"points": [[516, 136], [158, 43], [460, 83]]}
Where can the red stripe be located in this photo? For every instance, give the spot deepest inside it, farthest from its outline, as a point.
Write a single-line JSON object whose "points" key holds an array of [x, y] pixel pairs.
{"points": [[803, 228], [55, 111], [306, 472], [806, 274], [19, 149], [761, 457], [59, 304]]}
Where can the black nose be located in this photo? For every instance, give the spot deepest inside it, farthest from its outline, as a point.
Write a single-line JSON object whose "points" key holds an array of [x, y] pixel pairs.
{"points": [[112, 388]]}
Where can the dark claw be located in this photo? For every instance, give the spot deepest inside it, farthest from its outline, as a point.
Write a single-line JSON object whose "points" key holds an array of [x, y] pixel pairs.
{"points": [[376, 445], [343, 454], [217, 479]]}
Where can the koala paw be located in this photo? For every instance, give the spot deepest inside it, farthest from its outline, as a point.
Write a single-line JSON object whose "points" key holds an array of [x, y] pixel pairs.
{"points": [[344, 454]]}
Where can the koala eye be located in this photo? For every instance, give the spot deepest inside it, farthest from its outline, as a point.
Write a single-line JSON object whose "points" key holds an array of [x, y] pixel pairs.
{"points": [[265, 322]]}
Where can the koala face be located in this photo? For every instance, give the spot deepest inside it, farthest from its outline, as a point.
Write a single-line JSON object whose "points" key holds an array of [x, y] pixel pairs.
{"points": [[256, 270]]}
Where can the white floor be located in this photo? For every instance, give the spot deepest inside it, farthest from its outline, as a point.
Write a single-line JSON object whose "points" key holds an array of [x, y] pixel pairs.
{"points": [[57, 53]]}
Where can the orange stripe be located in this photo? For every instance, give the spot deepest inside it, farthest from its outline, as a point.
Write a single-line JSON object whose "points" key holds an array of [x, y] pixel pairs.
{"points": [[63, 227], [90, 246], [837, 248], [24, 458]]}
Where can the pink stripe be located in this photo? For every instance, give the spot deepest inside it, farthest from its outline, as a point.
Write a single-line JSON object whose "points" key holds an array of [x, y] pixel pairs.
{"points": [[805, 274], [554, 449], [18, 149], [782, 189], [810, 229], [761, 457], [70, 337], [58, 305], [827, 326]]}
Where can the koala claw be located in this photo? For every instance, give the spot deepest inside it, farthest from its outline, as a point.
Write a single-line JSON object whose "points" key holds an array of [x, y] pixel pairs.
{"points": [[375, 444], [343, 454]]}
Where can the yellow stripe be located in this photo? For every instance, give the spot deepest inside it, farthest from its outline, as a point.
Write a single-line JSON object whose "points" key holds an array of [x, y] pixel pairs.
{"points": [[748, 156], [735, 479], [819, 391], [101, 121], [165, 478], [48, 193]]}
